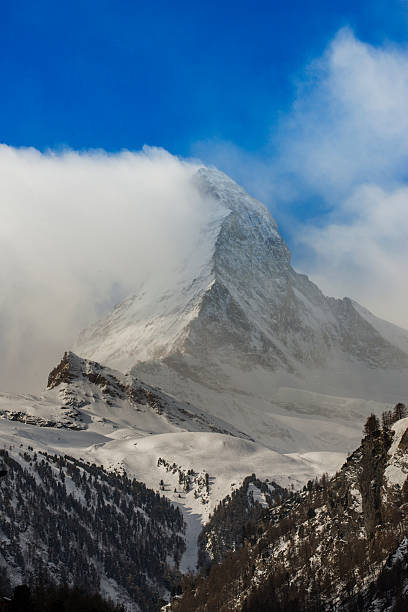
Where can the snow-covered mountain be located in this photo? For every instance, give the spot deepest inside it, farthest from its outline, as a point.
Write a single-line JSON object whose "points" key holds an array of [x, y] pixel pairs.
{"points": [[244, 337], [238, 291]]}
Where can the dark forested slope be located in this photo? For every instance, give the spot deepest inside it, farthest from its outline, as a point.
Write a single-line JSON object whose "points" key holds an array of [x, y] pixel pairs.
{"points": [[327, 547], [235, 518], [65, 521]]}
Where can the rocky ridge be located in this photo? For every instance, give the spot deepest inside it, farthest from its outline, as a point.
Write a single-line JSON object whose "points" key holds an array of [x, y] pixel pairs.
{"points": [[81, 393]]}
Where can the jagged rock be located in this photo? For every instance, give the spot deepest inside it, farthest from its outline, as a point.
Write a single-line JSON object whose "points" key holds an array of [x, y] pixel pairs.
{"points": [[81, 392]]}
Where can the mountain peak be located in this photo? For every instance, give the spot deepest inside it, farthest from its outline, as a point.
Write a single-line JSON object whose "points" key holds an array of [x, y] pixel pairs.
{"points": [[237, 306], [239, 250], [231, 195], [68, 369]]}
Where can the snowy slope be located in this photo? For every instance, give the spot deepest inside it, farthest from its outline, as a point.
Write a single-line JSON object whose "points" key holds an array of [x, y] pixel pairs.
{"points": [[236, 324], [226, 459], [43, 411], [119, 422], [394, 334]]}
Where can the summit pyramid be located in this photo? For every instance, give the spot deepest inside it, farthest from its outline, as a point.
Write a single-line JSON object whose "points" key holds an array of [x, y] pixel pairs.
{"points": [[237, 331]]}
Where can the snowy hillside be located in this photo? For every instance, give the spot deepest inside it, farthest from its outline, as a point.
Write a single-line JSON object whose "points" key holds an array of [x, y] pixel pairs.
{"points": [[227, 461], [337, 545]]}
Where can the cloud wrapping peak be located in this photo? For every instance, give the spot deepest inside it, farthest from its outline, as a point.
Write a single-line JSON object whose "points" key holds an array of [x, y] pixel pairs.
{"points": [[79, 232]]}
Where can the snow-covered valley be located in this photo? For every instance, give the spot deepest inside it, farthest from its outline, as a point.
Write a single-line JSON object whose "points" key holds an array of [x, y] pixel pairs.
{"points": [[122, 424]]}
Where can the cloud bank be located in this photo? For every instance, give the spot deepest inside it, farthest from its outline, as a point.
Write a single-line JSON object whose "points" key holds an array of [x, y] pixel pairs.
{"points": [[78, 233], [335, 173]]}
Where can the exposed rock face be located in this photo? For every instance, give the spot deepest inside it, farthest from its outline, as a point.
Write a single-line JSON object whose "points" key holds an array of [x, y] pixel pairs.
{"points": [[81, 393], [68, 420], [74, 369]]}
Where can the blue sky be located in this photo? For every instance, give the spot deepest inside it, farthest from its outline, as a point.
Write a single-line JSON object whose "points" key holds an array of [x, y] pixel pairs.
{"points": [[113, 75]]}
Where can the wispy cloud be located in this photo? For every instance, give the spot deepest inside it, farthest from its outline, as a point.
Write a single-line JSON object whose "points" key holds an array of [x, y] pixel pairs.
{"points": [[335, 173], [348, 143], [349, 123], [366, 255]]}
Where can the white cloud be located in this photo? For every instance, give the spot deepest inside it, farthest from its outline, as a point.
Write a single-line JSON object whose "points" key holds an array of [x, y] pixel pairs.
{"points": [[367, 256], [78, 233], [347, 142], [349, 123]]}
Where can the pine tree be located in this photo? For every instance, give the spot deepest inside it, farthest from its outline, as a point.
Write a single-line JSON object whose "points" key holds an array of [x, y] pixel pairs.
{"points": [[400, 411], [372, 425]]}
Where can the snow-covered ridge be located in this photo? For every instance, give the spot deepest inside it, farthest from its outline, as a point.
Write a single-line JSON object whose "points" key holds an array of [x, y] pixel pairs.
{"points": [[104, 395], [83, 395]]}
